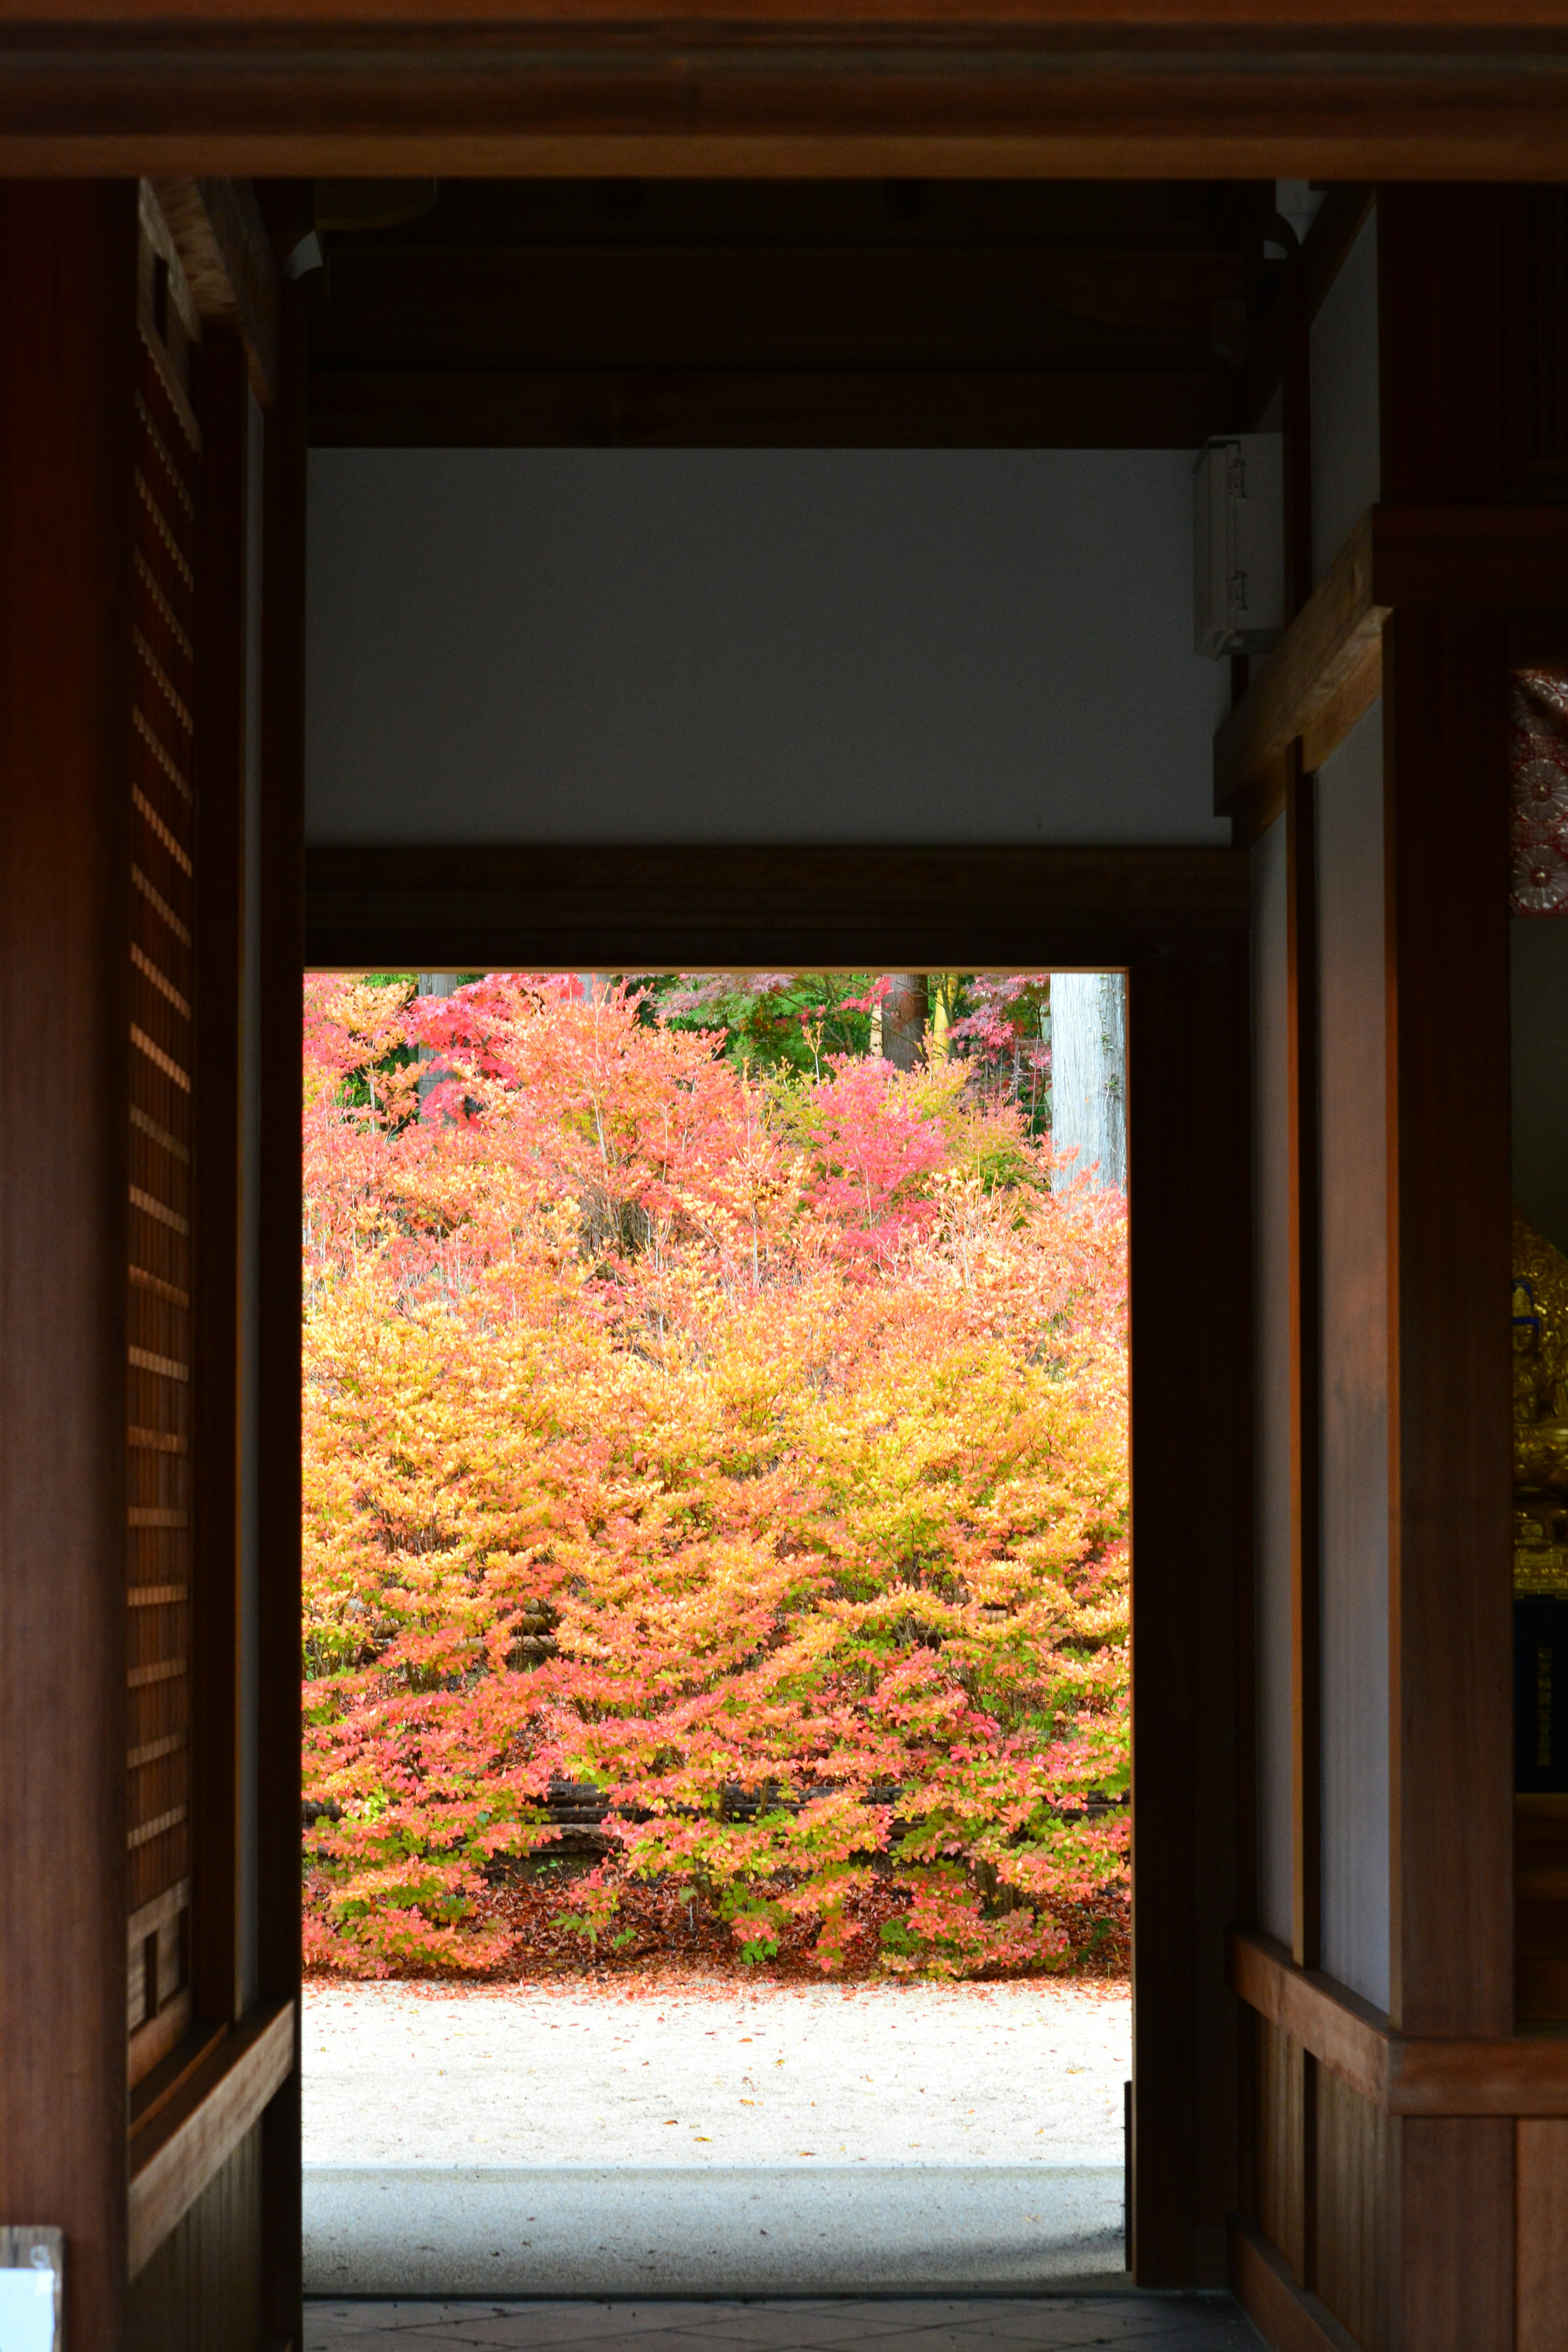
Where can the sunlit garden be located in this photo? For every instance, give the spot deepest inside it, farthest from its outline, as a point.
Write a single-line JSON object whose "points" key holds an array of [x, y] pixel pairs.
{"points": [[715, 1484]]}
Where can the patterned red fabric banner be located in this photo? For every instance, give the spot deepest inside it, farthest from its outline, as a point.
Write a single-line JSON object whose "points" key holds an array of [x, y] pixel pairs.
{"points": [[1538, 784]]}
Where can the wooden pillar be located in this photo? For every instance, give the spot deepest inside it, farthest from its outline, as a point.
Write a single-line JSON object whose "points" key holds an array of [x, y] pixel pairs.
{"points": [[1446, 803], [281, 913], [1188, 1053], [66, 273]]}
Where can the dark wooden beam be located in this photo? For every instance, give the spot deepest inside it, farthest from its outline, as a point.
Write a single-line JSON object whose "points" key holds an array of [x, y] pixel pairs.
{"points": [[1454, 89], [698, 909], [1442, 2076], [1188, 1030], [278, 1369], [726, 409], [67, 257], [975, 307], [1327, 668]]}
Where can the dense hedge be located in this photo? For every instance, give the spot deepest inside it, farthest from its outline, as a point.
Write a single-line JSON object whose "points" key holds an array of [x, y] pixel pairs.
{"points": [[753, 1450]]}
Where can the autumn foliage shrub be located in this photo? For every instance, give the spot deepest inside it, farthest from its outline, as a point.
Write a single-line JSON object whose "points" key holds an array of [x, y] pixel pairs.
{"points": [[752, 1449]]}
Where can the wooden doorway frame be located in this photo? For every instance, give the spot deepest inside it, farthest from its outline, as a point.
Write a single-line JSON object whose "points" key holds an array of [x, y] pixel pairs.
{"points": [[1177, 921]]}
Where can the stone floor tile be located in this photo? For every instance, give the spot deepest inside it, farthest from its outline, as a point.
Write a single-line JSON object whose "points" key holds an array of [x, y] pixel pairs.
{"points": [[1124, 2321]]}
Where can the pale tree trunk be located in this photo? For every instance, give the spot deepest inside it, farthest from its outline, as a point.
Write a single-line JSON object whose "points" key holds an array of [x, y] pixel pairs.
{"points": [[903, 1026], [432, 984], [1088, 1076]]}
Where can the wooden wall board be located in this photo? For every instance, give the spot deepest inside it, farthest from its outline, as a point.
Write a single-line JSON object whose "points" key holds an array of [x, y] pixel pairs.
{"points": [[1444, 345], [1357, 2206], [1289, 2318], [1541, 2250], [68, 258], [667, 907], [1450, 1495], [1282, 2155], [191, 2138], [1455, 2267], [201, 2292]]}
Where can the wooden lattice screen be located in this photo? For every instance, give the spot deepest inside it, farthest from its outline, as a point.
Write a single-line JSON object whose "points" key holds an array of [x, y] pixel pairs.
{"points": [[163, 837]]}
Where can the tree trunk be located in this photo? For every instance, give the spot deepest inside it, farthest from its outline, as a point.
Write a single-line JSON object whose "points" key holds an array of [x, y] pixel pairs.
{"points": [[904, 1019], [432, 984], [1088, 1076]]}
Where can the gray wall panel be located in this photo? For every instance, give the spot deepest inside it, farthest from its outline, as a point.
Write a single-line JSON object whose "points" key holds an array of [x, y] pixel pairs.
{"points": [[734, 646], [1271, 1208], [1354, 1161], [1346, 453]]}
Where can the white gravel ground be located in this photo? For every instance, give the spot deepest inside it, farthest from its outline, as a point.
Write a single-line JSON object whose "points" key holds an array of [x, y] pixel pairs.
{"points": [[696, 2073]]}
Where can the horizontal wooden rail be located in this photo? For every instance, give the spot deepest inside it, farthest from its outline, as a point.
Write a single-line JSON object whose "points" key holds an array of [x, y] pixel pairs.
{"points": [[1525, 2075], [554, 907], [178, 2148], [1327, 668], [1286, 2316]]}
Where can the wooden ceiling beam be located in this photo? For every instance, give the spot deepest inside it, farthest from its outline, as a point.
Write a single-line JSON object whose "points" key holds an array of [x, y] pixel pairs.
{"points": [[1421, 90], [763, 409], [973, 307], [667, 907]]}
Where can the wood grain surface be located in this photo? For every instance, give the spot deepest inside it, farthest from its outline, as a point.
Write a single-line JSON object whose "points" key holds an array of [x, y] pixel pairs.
{"points": [[665, 908], [759, 408], [1327, 669], [191, 2138], [1371, 89], [278, 1371], [1540, 2255], [1287, 2316], [1195, 1833], [68, 259], [1523, 2075]]}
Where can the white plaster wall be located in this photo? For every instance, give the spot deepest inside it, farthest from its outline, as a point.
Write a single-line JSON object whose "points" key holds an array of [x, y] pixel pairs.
{"points": [[1540, 957], [604, 645], [1355, 1163], [1346, 451], [1271, 1394]]}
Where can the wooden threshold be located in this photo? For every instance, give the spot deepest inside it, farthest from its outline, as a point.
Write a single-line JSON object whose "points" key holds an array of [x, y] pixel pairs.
{"points": [[179, 2147], [1399, 2074], [668, 907], [1327, 668], [1285, 2315]]}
